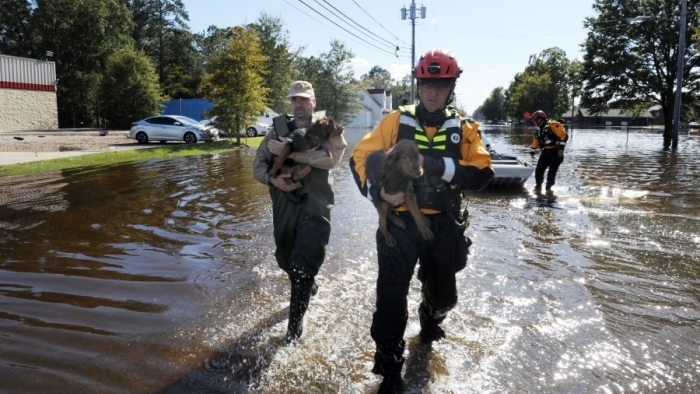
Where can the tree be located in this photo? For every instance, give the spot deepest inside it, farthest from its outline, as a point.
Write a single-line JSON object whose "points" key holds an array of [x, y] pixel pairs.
{"points": [[544, 85], [376, 78], [233, 83], [15, 30], [160, 30], [626, 64], [129, 89], [274, 42], [400, 91], [81, 34], [337, 90], [492, 108]]}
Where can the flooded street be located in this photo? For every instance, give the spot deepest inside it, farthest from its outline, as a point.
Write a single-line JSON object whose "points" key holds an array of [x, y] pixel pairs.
{"points": [[159, 277]]}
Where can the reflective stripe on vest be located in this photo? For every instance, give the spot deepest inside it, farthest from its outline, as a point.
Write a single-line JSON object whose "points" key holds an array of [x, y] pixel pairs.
{"points": [[446, 141]]}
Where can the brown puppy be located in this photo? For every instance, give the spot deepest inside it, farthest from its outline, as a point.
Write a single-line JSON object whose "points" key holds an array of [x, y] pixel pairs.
{"points": [[395, 171], [301, 140]]}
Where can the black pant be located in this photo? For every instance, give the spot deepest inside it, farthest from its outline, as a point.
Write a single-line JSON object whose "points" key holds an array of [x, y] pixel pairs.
{"points": [[440, 259], [548, 158]]}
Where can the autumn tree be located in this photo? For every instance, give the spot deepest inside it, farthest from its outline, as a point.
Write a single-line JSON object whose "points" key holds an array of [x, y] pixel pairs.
{"points": [[234, 83]]}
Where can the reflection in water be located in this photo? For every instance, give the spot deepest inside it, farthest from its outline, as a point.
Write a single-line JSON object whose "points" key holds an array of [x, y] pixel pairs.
{"points": [[160, 277]]}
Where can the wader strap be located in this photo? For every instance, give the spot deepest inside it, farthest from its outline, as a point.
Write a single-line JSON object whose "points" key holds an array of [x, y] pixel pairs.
{"points": [[280, 123]]}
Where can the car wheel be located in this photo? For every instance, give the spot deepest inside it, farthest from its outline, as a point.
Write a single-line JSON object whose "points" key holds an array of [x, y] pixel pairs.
{"points": [[190, 138], [142, 138], [251, 132]]}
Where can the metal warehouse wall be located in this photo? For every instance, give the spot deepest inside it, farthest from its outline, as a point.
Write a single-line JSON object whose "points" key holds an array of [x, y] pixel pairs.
{"points": [[192, 108], [27, 74], [27, 94]]}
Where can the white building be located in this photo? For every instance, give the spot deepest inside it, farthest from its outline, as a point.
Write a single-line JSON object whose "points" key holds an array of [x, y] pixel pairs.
{"points": [[27, 94], [376, 103]]}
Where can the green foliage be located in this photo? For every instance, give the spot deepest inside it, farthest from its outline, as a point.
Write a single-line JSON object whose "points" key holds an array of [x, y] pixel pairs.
{"points": [[234, 83], [160, 30], [129, 90], [81, 34], [626, 64], [15, 31], [337, 90], [544, 85], [274, 42], [493, 108], [400, 91], [376, 78]]}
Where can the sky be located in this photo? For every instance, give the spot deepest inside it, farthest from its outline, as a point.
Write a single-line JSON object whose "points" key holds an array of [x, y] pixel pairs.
{"points": [[492, 39]]}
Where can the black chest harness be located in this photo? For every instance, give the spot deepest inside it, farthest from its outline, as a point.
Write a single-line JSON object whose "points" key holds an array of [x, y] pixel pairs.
{"points": [[433, 192]]}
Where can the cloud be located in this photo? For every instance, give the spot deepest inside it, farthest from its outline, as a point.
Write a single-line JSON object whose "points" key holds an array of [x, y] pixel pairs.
{"points": [[359, 62], [491, 71], [398, 71]]}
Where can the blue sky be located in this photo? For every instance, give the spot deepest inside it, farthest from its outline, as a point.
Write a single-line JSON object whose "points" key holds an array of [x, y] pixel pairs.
{"points": [[492, 39]]}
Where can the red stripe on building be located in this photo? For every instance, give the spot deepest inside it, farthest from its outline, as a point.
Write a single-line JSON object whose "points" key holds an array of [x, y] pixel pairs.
{"points": [[27, 86]]}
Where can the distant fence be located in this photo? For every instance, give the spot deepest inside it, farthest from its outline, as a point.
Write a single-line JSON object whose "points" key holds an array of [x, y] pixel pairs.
{"points": [[192, 108]]}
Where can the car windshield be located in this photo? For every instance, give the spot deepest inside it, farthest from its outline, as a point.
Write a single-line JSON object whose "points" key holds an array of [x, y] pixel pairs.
{"points": [[186, 119]]}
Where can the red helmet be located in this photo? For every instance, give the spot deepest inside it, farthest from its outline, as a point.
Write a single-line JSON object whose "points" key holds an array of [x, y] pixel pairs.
{"points": [[438, 63], [538, 115]]}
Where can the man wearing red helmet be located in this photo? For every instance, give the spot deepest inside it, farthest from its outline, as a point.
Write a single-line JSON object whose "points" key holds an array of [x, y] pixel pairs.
{"points": [[551, 139], [453, 159]]}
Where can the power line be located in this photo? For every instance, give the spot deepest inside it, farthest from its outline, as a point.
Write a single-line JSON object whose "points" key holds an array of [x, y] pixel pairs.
{"points": [[288, 3], [380, 25], [351, 20], [349, 32]]}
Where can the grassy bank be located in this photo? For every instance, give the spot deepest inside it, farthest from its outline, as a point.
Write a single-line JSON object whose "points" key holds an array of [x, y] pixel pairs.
{"points": [[116, 157]]}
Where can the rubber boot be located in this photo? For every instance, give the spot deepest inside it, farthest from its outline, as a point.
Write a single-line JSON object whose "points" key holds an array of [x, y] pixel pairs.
{"points": [[392, 384], [429, 329], [390, 368], [298, 303]]}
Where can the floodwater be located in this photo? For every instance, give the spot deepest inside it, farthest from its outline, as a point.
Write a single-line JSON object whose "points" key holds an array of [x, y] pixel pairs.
{"points": [[159, 277]]}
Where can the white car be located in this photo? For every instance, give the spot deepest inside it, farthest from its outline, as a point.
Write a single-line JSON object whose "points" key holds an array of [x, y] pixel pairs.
{"points": [[165, 128], [257, 129]]}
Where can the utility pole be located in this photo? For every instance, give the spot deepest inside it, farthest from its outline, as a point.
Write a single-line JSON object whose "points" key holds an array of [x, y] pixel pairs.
{"points": [[679, 78], [412, 15]]}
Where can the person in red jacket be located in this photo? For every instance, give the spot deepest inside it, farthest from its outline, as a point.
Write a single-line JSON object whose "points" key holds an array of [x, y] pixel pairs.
{"points": [[551, 139], [454, 159]]}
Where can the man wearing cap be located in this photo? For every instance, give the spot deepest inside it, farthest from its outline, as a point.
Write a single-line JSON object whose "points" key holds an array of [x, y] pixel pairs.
{"points": [[301, 230], [453, 159]]}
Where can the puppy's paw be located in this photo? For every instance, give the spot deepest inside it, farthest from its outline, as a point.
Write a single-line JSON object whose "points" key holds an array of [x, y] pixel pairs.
{"points": [[425, 233], [397, 221]]}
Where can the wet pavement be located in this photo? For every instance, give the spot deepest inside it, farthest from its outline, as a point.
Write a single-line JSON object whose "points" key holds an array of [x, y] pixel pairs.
{"points": [[159, 277]]}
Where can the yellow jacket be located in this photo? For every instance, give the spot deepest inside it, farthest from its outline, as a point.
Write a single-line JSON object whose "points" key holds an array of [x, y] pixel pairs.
{"points": [[472, 172], [558, 140]]}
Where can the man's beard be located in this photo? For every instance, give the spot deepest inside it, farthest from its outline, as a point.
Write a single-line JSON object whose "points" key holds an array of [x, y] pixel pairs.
{"points": [[302, 116]]}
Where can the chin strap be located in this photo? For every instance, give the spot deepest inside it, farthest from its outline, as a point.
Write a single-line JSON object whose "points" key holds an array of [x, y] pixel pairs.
{"points": [[434, 119]]}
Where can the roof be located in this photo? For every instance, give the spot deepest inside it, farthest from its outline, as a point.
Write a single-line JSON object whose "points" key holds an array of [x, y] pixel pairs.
{"points": [[611, 113]]}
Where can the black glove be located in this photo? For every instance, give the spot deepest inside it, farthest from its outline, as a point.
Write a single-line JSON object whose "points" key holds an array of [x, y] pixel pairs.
{"points": [[433, 165]]}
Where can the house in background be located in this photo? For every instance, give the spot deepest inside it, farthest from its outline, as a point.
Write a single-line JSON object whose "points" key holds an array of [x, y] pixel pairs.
{"points": [[583, 118], [376, 103]]}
